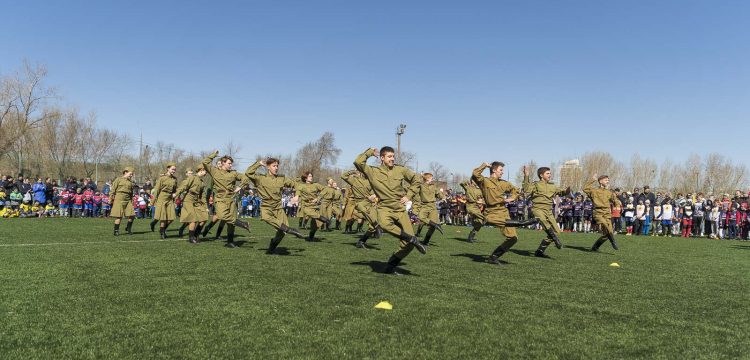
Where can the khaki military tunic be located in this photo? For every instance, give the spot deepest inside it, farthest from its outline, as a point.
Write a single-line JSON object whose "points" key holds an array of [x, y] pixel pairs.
{"points": [[223, 186], [194, 207], [269, 188], [164, 206], [388, 185], [542, 195], [122, 198], [326, 201], [473, 202], [360, 205], [603, 199], [493, 192], [427, 195]]}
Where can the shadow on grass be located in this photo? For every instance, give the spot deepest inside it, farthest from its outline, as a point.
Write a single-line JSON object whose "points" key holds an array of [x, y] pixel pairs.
{"points": [[740, 247], [473, 257], [369, 246], [579, 248], [462, 239], [379, 267], [521, 252], [283, 251]]}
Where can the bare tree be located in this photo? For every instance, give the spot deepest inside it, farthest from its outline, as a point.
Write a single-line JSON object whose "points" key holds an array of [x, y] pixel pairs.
{"points": [[23, 104], [532, 166], [315, 155], [641, 172], [408, 159], [231, 148], [602, 163], [439, 172]]}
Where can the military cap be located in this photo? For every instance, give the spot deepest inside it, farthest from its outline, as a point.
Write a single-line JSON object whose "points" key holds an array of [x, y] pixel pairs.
{"points": [[128, 169]]}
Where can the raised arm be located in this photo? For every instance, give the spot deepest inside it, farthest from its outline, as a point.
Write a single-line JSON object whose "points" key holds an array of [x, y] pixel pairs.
{"points": [[251, 172], [527, 185], [477, 176], [589, 187], [208, 161], [361, 161]]}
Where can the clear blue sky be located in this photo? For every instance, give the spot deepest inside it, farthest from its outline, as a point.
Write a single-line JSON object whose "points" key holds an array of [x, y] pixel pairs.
{"points": [[474, 80]]}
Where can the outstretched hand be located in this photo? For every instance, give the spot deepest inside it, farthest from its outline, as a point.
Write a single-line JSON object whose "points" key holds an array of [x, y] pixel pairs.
{"points": [[595, 177], [525, 171]]}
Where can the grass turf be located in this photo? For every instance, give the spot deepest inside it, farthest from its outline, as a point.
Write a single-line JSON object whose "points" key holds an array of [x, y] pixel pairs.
{"points": [[69, 289]]}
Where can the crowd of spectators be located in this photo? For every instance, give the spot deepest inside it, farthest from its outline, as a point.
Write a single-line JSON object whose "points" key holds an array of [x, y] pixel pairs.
{"points": [[640, 213]]}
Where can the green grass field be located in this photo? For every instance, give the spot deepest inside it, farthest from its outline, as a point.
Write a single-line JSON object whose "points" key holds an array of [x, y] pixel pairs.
{"points": [[69, 289]]}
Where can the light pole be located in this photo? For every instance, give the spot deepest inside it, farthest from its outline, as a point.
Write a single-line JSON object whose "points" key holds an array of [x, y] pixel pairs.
{"points": [[399, 131]]}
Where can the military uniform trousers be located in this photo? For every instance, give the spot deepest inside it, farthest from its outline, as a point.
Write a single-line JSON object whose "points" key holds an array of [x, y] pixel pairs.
{"points": [[225, 210], [428, 214], [605, 222], [312, 212], [476, 212], [389, 220], [497, 216], [274, 216], [546, 219], [368, 211]]}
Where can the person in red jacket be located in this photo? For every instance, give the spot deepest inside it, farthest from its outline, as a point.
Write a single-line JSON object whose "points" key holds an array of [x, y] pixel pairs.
{"points": [[78, 203]]}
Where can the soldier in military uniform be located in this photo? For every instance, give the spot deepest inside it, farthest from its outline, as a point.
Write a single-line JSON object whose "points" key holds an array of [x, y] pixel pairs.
{"points": [[224, 186], [363, 206], [309, 194], [387, 181], [326, 202], [494, 189], [542, 193], [121, 198], [603, 198], [184, 225], [164, 190], [474, 205], [194, 210], [338, 198], [348, 213], [269, 186], [428, 193]]}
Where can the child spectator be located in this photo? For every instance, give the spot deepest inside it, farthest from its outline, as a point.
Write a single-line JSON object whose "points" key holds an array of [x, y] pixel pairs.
{"points": [[687, 218], [49, 210], [629, 216], [106, 206], [640, 217], [97, 204], [88, 203], [65, 203], [667, 215], [655, 220], [78, 203]]}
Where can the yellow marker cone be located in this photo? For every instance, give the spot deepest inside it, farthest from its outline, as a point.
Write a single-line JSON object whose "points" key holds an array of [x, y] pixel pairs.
{"points": [[614, 265], [384, 305]]}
